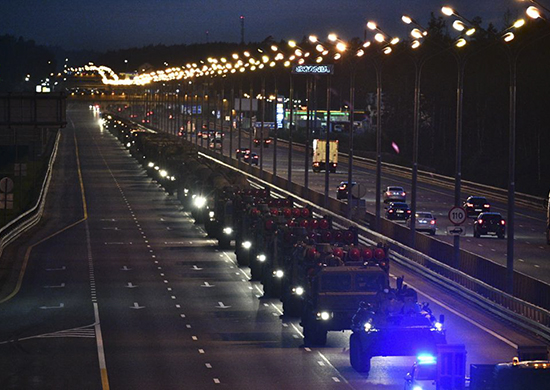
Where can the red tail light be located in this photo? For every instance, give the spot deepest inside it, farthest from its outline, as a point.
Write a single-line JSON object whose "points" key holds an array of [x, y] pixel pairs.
{"points": [[287, 213], [274, 211], [367, 254], [314, 223], [403, 194], [432, 222], [354, 254], [304, 223], [502, 222], [326, 237], [486, 206], [338, 236], [480, 221], [349, 237], [390, 211], [343, 187], [296, 212], [311, 252], [379, 254], [408, 211]]}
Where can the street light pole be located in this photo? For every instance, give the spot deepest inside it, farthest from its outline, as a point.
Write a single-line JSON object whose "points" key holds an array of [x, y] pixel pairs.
{"points": [[461, 62], [378, 70], [290, 122], [262, 118], [276, 131], [308, 112], [350, 158], [327, 146], [511, 177]]}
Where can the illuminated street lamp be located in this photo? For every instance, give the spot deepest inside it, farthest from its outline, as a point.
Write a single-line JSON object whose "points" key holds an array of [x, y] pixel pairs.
{"points": [[381, 38], [418, 32]]}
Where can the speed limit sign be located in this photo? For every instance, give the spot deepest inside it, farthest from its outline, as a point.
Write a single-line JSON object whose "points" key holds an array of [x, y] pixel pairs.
{"points": [[457, 215]]}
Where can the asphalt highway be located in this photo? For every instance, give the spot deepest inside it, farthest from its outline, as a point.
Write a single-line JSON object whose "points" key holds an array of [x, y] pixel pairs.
{"points": [[531, 252], [120, 289]]}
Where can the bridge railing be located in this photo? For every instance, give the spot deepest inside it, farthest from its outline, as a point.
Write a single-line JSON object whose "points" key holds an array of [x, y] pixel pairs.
{"points": [[31, 217]]}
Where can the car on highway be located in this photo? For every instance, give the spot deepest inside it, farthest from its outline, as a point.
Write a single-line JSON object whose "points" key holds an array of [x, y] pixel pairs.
{"points": [[251, 158], [342, 191], [490, 223], [393, 193], [215, 143], [423, 375], [475, 205], [240, 152], [425, 222], [398, 211]]}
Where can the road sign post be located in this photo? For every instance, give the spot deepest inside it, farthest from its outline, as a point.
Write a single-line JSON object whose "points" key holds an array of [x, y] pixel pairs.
{"points": [[457, 215]]}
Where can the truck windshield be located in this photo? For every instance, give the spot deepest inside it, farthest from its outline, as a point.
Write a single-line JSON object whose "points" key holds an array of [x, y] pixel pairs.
{"points": [[336, 283], [425, 372], [369, 282]]}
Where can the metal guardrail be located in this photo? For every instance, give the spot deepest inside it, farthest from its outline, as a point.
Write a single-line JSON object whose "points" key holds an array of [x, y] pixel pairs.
{"points": [[499, 303], [499, 194], [31, 217]]}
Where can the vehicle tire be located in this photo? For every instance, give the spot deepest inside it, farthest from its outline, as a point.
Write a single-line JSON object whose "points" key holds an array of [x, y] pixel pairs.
{"points": [[242, 255], [476, 234], [432, 232], [224, 243], [313, 335], [292, 307], [255, 269], [316, 170], [269, 287], [501, 236], [358, 359]]}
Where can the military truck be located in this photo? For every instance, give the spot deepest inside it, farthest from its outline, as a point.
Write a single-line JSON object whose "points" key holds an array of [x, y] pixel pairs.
{"points": [[336, 285], [394, 324]]}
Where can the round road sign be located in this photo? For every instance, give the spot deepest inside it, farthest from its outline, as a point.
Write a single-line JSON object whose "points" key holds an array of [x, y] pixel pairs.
{"points": [[457, 215]]}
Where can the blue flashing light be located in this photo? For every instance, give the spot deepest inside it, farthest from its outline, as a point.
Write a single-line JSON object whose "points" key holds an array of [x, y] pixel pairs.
{"points": [[426, 359], [417, 388]]}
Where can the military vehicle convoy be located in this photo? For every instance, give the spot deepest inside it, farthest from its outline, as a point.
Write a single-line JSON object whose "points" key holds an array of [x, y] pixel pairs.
{"points": [[321, 274]]}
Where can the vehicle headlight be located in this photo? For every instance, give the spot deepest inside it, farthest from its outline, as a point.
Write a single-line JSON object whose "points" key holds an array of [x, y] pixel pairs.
{"points": [[157, 167], [185, 191], [416, 387], [367, 326], [324, 315], [261, 258], [246, 244], [279, 273], [228, 230], [173, 178], [211, 214], [199, 202], [151, 164], [438, 326], [128, 144], [163, 173], [298, 290]]}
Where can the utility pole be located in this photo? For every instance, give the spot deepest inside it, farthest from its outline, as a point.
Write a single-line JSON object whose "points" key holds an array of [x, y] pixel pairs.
{"points": [[242, 30]]}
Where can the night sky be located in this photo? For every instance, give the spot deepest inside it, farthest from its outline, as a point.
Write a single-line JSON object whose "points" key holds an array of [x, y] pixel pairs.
{"points": [[119, 24]]}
